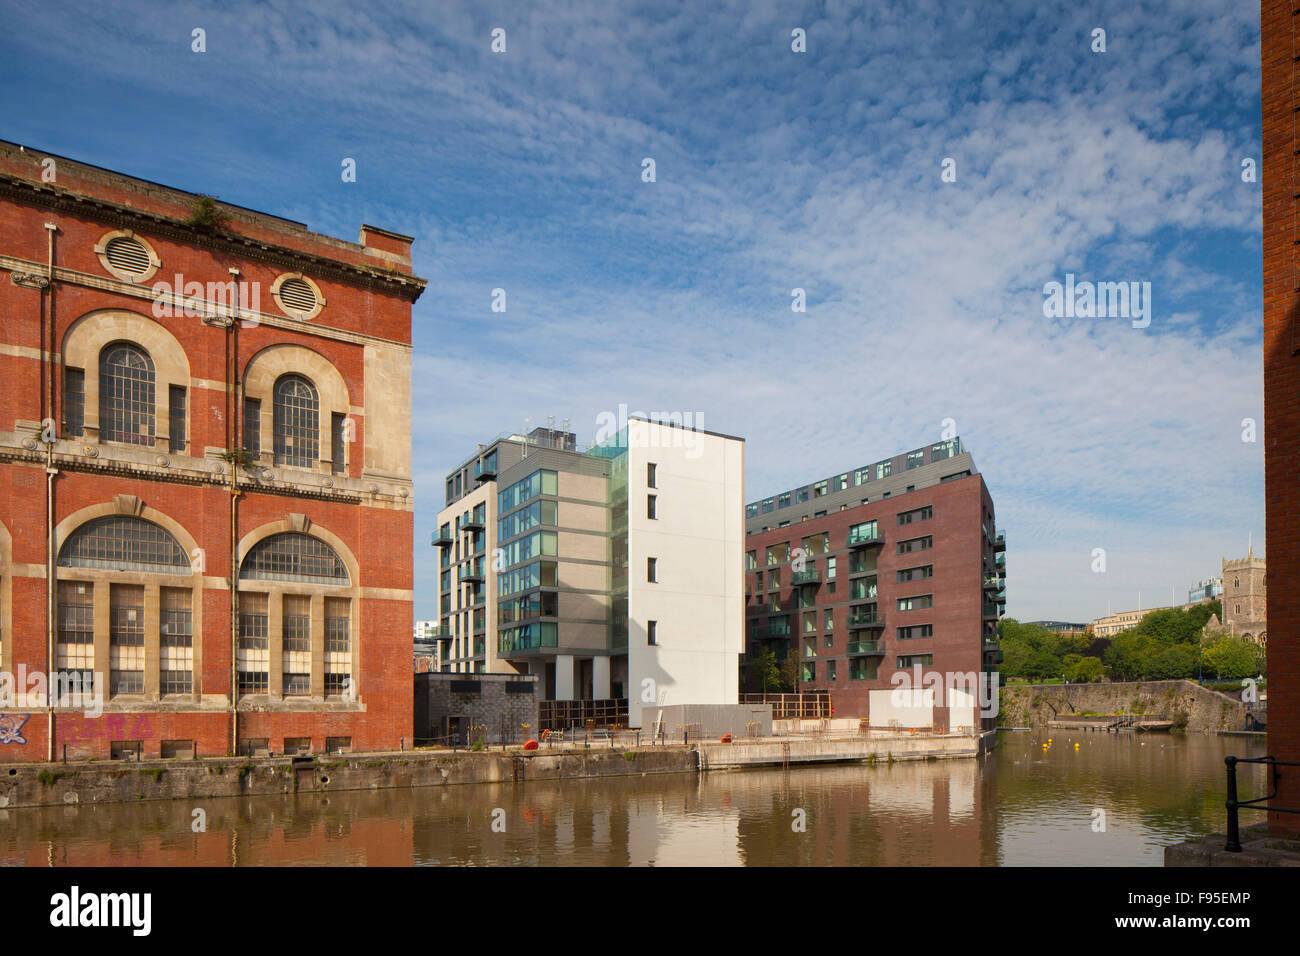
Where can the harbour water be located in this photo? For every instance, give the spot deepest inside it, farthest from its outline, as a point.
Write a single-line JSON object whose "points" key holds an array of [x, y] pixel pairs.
{"points": [[1110, 800]]}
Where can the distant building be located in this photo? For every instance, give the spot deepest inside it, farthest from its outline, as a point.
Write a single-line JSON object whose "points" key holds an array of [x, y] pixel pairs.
{"points": [[1062, 627], [1206, 590], [1245, 607], [429, 650], [1121, 621]]}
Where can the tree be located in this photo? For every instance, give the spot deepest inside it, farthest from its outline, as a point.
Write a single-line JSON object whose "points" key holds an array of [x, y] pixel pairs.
{"points": [[1083, 670], [1230, 658]]}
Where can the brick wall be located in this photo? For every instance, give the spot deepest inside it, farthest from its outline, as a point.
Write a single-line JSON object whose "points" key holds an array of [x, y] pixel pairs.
{"points": [[1279, 50]]}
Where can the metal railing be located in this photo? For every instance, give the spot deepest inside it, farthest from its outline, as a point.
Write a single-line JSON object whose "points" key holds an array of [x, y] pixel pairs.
{"points": [[567, 714], [785, 706], [1233, 844]]}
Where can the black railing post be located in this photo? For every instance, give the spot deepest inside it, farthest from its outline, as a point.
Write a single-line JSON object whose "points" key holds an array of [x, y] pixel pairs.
{"points": [[1234, 836]]}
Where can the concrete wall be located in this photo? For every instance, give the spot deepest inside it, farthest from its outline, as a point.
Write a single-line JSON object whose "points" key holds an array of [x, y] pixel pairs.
{"points": [[712, 720], [1033, 705], [698, 539], [60, 785]]}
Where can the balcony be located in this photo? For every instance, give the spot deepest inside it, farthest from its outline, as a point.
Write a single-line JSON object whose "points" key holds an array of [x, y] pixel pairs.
{"points": [[866, 538], [866, 648], [864, 620], [1000, 597], [1000, 561], [807, 576], [473, 524], [442, 539], [990, 642], [991, 611], [992, 582], [471, 576], [1000, 542], [774, 630], [484, 471]]}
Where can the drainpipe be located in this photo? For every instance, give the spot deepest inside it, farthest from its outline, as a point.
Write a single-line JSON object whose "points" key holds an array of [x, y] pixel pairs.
{"points": [[51, 582], [232, 420]]}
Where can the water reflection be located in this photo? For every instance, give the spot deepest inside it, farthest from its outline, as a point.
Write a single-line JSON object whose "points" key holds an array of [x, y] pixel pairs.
{"points": [[1025, 804]]}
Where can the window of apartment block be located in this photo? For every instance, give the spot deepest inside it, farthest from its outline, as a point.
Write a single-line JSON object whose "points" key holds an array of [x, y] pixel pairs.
{"points": [[916, 544], [652, 569], [75, 648], [863, 531], [862, 476], [915, 631], [830, 670], [828, 620], [652, 633], [650, 469], [774, 602], [810, 647], [916, 514], [816, 544], [176, 433], [819, 489], [860, 561], [863, 668], [784, 500], [807, 598], [778, 553], [809, 672], [338, 646], [175, 641], [862, 589], [915, 660], [253, 646], [74, 402], [651, 506], [809, 622], [915, 574], [882, 469], [769, 504], [253, 425], [916, 603], [915, 459], [751, 560], [830, 568], [126, 639]]}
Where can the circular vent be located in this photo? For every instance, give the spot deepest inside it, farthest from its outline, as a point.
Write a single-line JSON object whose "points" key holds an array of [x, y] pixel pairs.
{"points": [[297, 295], [128, 255]]}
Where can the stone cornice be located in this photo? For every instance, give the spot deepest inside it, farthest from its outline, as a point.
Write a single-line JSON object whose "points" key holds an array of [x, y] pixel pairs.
{"points": [[54, 197]]}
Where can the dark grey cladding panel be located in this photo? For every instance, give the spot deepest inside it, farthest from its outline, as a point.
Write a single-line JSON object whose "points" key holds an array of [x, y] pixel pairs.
{"points": [[896, 484]]}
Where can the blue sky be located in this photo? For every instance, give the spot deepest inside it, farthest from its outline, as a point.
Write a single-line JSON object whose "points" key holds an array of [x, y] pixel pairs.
{"points": [[775, 170]]}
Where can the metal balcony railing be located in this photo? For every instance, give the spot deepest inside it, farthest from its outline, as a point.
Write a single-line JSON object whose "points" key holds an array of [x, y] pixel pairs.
{"points": [[1233, 844]]}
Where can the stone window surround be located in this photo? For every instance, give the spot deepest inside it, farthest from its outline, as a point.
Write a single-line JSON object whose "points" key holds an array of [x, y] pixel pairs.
{"points": [[294, 313], [265, 369], [101, 251]]}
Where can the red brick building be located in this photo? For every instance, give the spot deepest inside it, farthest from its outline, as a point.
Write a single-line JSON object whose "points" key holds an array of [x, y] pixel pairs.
{"points": [[1280, 179], [205, 491], [901, 570]]}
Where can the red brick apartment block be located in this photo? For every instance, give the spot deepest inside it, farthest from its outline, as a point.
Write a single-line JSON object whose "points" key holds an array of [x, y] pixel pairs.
{"points": [[205, 474], [1280, 55], [903, 573]]}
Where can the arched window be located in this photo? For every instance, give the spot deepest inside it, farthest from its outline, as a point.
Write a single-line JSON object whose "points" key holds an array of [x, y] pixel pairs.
{"points": [[297, 422], [126, 394], [292, 556], [124, 543]]}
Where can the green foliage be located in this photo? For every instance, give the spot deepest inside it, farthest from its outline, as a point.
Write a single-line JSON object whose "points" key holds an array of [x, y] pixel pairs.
{"points": [[1083, 670], [763, 673], [206, 214], [1032, 652], [1231, 658], [478, 745]]}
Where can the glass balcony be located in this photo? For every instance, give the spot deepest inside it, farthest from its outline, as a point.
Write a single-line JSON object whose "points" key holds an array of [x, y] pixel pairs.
{"points": [[865, 537], [485, 471], [866, 648], [990, 642], [990, 610], [992, 582], [778, 629], [807, 576], [866, 619], [1000, 597], [1000, 561], [1000, 542], [442, 539], [471, 576], [473, 524]]}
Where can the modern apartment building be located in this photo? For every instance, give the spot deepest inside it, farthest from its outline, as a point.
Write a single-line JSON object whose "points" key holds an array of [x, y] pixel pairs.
{"points": [[1207, 590], [889, 567], [613, 574], [205, 472]]}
